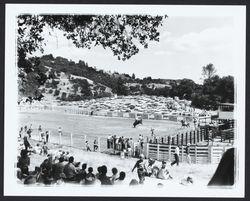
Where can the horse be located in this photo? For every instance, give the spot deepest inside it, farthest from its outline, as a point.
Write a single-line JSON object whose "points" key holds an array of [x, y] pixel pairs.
{"points": [[184, 124], [137, 122]]}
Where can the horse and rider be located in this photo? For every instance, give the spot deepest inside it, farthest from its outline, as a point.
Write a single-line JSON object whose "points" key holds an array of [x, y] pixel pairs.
{"points": [[184, 123], [136, 122]]}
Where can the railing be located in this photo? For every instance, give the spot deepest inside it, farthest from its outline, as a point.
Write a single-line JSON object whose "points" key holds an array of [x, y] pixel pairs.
{"points": [[74, 140], [81, 111], [200, 154]]}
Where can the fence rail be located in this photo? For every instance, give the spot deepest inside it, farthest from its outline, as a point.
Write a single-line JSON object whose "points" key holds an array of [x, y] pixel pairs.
{"points": [[199, 154], [82, 111]]}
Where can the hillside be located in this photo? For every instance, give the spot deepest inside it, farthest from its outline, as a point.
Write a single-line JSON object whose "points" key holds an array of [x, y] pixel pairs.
{"points": [[67, 80], [70, 81]]}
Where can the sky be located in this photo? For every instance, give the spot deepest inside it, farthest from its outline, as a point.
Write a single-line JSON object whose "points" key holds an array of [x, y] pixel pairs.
{"points": [[186, 45]]}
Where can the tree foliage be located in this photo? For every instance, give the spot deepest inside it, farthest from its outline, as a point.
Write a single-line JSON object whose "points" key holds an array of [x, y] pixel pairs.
{"points": [[120, 33], [208, 71]]}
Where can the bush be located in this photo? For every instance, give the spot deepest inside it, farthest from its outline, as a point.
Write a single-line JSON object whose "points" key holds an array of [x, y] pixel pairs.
{"points": [[50, 91]]}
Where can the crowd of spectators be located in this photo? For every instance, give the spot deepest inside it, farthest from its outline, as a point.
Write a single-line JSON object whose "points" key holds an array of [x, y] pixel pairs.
{"points": [[127, 146], [62, 168]]}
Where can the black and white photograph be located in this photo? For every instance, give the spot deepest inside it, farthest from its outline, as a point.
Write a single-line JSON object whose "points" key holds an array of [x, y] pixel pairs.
{"points": [[124, 100]]}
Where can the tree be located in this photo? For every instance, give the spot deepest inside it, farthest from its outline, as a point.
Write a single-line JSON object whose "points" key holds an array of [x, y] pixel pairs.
{"points": [[208, 71], [120, 33], [186, 88], [133, 76]]}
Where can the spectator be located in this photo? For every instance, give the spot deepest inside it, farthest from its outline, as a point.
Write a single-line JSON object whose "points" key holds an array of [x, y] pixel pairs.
{"points": [[57, 169], [23, 163], [33, 177], [60, 131], [25, 128], [140, 169], [82, 173], [21, 132], [187, 181], [105, 180], [46, 170], [47, 134], [121, 178], [114, 176], [87, 146], [188, 153], [176, 156], [26, 143], [148, 167], [42, 136], [44, 149], [90, 177], [99, 172], [40, 131], [29, 131], [37, 149], [163, 172], [95, 145], [70, 170]]}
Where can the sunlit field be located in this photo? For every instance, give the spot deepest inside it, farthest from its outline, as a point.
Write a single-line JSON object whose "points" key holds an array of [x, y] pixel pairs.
{"points": [[93, 126]]}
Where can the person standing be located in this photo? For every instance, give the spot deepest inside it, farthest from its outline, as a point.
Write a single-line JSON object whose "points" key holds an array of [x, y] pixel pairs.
{"points": [[21, 132], [40, 132], [47, 133], [140, 169], [26, 142], [60, 130], [87, 146], [60, 134], [188, 153], [176, 156], [95, 145]]}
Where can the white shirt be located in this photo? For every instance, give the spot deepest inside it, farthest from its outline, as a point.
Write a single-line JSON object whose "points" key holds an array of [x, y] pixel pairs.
{"points": [[177, 150]]}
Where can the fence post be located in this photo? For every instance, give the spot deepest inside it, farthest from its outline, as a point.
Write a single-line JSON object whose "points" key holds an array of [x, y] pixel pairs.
{"points": [[186, 138], [194, 137], [99, 144], [169, 140], [49, 135], [182, 139], [147, 150], [71, 139], [182, 153], [85, 138], [169, 152], [177, 142], [60, 138], [190, 137], [210, 154], [173, 139], [198, 140], [158, 151], [195, 154]]}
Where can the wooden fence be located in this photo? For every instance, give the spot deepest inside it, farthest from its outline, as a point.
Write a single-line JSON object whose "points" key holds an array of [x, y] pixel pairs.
{"points": [[82, 111], [192, 137], [199, 154]]}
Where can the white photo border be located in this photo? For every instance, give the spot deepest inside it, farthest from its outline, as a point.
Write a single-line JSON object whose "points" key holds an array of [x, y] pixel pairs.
{"points": [[11, 188]]}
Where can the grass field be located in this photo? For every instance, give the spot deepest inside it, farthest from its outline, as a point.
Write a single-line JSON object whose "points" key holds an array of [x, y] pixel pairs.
{"points": [[93, 126]]}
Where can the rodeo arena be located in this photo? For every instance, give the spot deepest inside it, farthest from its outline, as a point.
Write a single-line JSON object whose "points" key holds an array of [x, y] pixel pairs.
{"points": [[113, 142]]}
